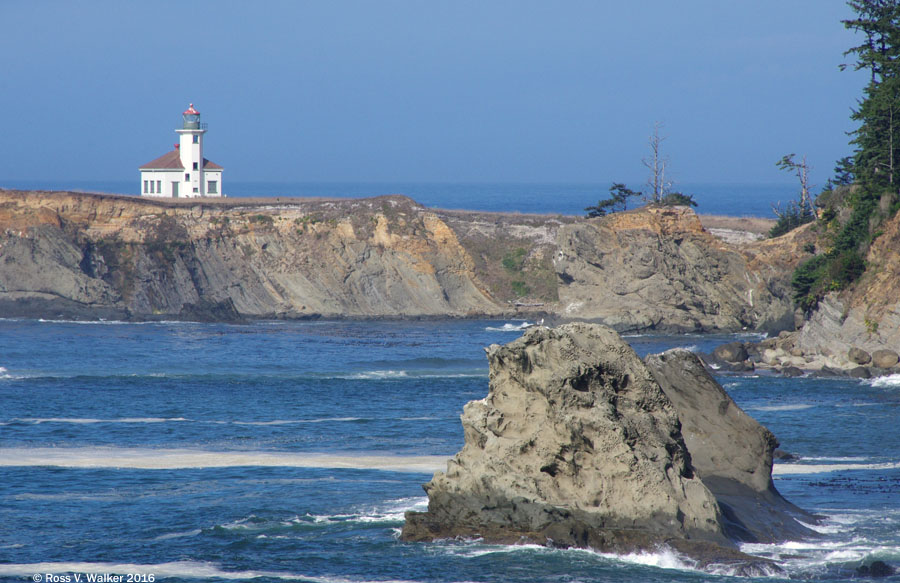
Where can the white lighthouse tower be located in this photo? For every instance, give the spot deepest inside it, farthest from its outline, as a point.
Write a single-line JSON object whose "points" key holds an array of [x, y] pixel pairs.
{"points": [[183, 172]]}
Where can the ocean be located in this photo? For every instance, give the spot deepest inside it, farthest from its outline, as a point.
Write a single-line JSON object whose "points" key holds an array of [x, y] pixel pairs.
{"points": [[750, 200], [279, 451]]}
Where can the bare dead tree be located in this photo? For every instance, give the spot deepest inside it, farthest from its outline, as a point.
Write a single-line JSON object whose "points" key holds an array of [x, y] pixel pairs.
{"points": [[657, 164], [801, 170]]}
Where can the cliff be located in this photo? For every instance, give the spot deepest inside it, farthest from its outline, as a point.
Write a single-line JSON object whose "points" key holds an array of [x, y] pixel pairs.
{"points": [[658, 269], [856, 330], [76, 255], [579, 443]]}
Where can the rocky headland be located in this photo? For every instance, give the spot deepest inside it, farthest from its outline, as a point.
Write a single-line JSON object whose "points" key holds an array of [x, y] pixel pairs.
{"points": [[580, 443], [86, 256]]}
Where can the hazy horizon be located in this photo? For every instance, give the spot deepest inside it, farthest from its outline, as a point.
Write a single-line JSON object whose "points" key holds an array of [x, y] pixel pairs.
{"points": [[403, 91]]}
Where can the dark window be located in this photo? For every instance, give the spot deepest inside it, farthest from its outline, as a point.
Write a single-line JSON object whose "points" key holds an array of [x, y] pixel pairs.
{"points": [[196, 139], [196, 189], [195, 166], [187, 176], [145, 187], [212, 187], [159, 186]]}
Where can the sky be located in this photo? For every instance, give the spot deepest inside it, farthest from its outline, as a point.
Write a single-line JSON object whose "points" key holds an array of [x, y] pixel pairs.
{"points": [[430, 91]]}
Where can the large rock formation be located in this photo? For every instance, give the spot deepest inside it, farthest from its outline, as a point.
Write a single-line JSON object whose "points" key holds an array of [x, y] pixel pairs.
{"points": [[577, 444], [656, 268]]}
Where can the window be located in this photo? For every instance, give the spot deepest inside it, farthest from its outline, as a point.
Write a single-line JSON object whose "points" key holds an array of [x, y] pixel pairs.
{"points": [[145, 187], [196, 189], [212, 187], [196, 139], [195, 166], [151, 187], [187, 176], [159, 187]]}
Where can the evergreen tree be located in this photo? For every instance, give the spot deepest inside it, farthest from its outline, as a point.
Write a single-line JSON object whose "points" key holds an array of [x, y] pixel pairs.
{"points": [[877, 139]]}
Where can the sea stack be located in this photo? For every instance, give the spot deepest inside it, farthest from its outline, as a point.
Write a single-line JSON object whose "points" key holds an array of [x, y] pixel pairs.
{"points": [[576, 444]]}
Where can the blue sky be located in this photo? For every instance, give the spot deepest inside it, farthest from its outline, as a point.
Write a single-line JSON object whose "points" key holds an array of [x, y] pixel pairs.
{"points": [[413, 90]]}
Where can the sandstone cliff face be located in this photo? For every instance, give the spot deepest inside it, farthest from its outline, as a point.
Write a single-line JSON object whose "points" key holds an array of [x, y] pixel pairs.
{"points": [[575, 444], [82, 255], [656, 268], [72, 255]]}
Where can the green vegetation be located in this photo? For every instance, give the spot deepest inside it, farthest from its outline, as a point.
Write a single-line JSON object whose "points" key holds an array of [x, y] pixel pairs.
{"points": [[800, 211], [617, 201], [874, 168], [514, 260], [661, 193]]}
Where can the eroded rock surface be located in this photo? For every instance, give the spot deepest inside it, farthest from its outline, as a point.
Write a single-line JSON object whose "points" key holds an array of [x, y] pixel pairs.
{"points": [[575, 444], [730, 451]]}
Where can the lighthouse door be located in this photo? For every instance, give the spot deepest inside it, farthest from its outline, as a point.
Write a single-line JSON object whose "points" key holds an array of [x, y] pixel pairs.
{"points": [[174, 189]]}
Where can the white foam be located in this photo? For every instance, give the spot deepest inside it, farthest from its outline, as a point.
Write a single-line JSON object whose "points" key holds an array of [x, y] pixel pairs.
{"points": [[793, 469], [885, 381], [77, 420], [176, 569], [185, 534], [375, 375], [167, 459], [796, 407], [509, 327], [298, 421]]}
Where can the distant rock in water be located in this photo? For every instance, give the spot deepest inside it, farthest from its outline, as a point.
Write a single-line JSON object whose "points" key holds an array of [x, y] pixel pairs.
{"points": [[576, 444]]}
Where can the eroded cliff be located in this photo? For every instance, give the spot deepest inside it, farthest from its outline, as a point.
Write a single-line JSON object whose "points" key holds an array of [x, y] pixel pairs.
{"points": [[79, 255], [76, 255]]}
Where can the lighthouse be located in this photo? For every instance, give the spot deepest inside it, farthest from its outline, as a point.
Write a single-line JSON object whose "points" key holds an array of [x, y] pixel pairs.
{"points": [[183, 172]]}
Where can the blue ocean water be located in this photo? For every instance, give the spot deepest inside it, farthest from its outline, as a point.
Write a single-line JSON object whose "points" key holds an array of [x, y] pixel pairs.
{"points": [[751, 200], [290, 451]]}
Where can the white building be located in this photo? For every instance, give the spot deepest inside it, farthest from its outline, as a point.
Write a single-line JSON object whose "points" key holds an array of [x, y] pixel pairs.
{"points": [[183, 172]]}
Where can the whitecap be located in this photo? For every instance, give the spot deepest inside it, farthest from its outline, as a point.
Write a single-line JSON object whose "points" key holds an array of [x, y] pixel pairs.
{"points": [[885, 381], [176, 569], [375, 375], [795, 407], [510, 327], [185, 534], [167, 459], [84, 421]]}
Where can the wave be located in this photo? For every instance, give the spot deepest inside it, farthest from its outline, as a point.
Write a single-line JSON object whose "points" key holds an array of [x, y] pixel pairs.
{"points": [[885, 381], [796, 407], [801, 468], [510, 327], [176, 569], [173, 459], [83, 421], [381, 375]]}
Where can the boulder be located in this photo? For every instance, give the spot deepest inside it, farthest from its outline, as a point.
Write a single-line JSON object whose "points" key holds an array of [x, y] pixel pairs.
{"points": [[730, 450], [859, 356], [731, 352], [575, 445], [876, 569], [791, 371], [860, 372], [885, 358]]}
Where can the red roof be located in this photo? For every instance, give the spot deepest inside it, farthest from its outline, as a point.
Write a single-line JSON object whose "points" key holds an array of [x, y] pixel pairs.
{"points": [[172, 161], [191, 111]]}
